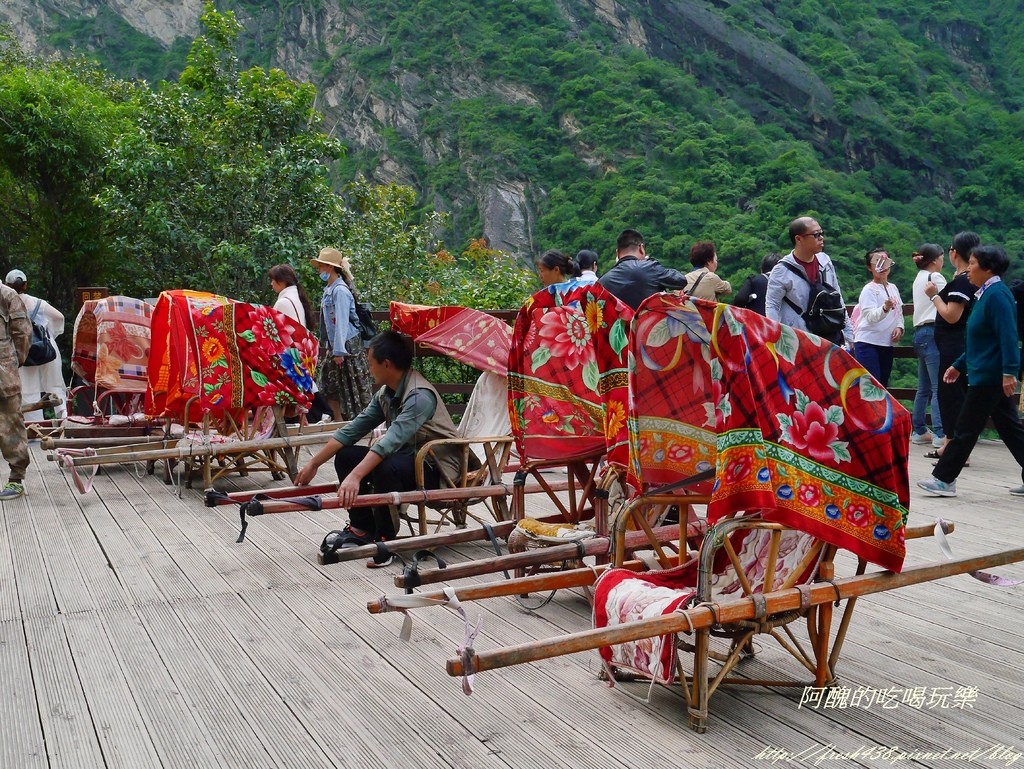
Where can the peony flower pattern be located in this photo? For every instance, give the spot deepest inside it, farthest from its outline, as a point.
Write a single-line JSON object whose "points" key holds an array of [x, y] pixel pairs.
{"points": [[566, 339], [814, 430], [859, 514], [680, 453], [269, 336]]}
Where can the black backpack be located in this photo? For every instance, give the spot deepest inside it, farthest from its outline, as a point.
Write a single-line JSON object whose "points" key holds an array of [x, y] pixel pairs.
{"points": [[825, 314], [367, 326]]}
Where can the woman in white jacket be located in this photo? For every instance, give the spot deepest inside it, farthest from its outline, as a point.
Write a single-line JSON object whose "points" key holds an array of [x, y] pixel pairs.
{"points": [[291, 298], [49, 377], [880, 325]]}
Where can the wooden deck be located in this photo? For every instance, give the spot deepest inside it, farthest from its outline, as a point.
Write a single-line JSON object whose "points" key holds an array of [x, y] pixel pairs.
{"points": [[135, 633]]}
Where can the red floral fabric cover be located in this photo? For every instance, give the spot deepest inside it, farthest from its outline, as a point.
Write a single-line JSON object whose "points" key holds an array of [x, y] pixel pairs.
{"points": [[110, 346], [469, 336], [231, 355], [792, 425], [567, 375], [622, 596]]}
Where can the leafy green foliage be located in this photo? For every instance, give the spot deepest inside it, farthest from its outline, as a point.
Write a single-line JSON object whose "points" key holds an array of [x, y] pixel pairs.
{"points": [[225, 175], [395, 257], [56, 120], [918, 138]]}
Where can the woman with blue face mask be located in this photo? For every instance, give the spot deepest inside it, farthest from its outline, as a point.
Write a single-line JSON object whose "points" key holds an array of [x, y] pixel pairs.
{"points": [[344, 377]]}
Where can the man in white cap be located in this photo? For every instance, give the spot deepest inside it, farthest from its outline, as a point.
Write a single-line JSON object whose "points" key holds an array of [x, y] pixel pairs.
{"points": [[15, 339]]}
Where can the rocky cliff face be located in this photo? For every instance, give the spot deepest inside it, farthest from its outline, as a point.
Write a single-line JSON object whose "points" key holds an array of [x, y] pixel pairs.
{"points": [[317, 41], [163, 20], [364, 114]]}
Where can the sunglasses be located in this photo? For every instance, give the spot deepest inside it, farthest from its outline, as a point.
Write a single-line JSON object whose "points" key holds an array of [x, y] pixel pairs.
{"points": [[819, 235]]}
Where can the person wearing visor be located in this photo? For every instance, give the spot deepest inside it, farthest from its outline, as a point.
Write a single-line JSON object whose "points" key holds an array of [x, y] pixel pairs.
{"points": [[880, 325]]}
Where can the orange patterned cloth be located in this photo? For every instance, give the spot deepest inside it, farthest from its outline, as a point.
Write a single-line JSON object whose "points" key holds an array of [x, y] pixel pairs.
{"points": [[229, 356], [110, 348], [792, 425]]}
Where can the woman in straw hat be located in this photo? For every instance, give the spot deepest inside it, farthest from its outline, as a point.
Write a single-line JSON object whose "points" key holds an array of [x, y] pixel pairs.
{"points": [[344, 377]]}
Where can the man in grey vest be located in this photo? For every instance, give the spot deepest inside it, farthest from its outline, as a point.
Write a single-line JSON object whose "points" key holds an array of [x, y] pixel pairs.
{"points": [[414, 414]]}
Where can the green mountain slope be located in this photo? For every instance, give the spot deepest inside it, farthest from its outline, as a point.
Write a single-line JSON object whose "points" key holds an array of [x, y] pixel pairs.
{"points": [[556, 124]]}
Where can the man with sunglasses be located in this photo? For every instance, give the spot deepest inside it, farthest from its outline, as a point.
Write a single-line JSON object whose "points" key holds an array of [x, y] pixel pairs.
{"points": [[792, 282]]}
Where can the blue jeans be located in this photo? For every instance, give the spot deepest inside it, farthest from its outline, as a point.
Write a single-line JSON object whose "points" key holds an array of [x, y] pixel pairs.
{"points": [[876, 359], [928, 375]]}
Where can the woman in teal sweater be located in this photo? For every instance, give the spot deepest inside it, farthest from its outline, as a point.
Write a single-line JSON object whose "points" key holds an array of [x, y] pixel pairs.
{"points": [[991, 363]]}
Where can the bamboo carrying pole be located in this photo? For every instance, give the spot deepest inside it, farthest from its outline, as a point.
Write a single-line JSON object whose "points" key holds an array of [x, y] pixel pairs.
{"points": [[201, 449], [706, 615], [559, 580], [538, 583], [129, 442], [44, 403], [215, 498], [570, 551], [394, 498]]}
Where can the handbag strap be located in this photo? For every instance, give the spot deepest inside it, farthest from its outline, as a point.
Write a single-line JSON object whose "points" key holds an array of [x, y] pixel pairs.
{"points": [[697, 283], [32, 317]]}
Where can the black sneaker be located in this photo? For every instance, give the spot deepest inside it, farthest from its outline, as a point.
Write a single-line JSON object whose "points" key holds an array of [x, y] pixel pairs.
{"points": [[343, 538]]}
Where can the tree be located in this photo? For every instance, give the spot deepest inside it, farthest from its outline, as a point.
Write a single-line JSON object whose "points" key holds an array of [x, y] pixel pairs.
{"points": [[57, 119], [395, 256], [225, 175]]}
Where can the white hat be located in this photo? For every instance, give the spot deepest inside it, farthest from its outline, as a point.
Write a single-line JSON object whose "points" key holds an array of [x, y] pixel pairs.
{"points": [[14, 275]]}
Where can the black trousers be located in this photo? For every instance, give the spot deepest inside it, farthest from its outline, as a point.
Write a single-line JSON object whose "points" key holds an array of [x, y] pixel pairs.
{"points": [[980, 403], [395, 473], [951, 396]]}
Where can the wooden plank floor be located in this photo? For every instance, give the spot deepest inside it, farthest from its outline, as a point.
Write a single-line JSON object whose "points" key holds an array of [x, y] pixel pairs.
{"points": [[135, 632]]}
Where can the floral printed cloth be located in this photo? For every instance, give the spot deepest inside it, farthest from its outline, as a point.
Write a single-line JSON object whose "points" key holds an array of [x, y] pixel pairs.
{"points": [[469, 336], [567, 375], [230, 355], [792, 425], [622, 596], [110, 348]]}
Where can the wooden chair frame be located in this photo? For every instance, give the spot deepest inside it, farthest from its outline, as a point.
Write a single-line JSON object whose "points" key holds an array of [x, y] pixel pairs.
{"points": [[497, 450]]}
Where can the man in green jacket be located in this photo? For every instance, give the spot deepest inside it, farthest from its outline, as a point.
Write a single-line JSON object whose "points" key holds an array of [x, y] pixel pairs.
{"points": [[414, 414]]}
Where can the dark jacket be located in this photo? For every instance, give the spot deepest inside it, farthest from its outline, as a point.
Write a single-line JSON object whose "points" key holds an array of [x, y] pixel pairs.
{"points": [[632, 280], [993, 350], [751, 294]]}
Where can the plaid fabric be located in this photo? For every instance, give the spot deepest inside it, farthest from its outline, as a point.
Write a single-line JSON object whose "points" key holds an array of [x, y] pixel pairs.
{"points": [[567, 379], [229, 355], [110, 347], [792, 425], [464, 334]]}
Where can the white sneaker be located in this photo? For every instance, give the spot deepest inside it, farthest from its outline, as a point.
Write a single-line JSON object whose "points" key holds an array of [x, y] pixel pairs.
{"points": [[938, 488], [937, 442], [921, 438]]}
